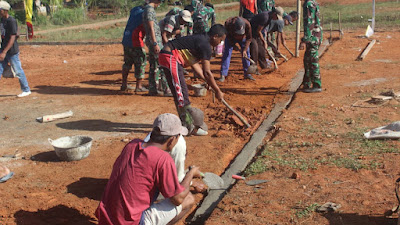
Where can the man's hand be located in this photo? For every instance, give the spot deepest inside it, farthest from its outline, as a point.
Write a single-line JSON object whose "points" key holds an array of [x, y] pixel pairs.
{"points": [[156, 49], [302, 45], [195, 170], [199, 187], [244, 54], [219, 95], [2, 56]]}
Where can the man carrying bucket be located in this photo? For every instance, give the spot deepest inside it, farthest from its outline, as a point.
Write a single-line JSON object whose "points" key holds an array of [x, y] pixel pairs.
{"points": [[238, 32]]}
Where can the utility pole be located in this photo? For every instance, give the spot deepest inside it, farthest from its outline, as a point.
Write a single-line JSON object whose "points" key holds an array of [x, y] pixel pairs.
{"points": [[298, 28]]}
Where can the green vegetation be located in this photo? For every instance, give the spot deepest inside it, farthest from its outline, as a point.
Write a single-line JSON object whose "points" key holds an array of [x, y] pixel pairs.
{"points": [[355, 152], [305, 212], [353, 16]]}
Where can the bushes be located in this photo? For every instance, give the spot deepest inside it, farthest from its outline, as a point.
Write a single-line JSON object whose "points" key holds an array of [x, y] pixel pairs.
{"points": [[66, 16]]}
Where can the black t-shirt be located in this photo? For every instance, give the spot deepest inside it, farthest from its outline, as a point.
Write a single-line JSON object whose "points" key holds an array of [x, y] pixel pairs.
{"points": [[262, 19], [192, 48], [9, 27]]}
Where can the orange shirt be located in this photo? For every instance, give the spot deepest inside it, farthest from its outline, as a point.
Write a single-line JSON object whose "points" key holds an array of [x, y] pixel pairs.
{"points": [[249, 5]]}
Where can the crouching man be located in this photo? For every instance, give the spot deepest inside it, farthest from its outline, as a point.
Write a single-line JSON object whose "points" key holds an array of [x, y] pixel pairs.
{"points": [[140, 173]]}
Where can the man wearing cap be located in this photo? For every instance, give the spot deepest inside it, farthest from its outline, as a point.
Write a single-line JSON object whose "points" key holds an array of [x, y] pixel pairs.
{"points": [[9, 51], [277, 25], [172, 25], [140, 173], [238, 32], [175, 11], [193, 51], [312, 40]]}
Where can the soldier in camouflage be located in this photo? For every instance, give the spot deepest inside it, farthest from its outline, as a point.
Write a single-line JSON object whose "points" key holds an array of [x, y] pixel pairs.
{"points": [[154, 44], [197, 4], [265, 5], [201, 18], [312, 40]]}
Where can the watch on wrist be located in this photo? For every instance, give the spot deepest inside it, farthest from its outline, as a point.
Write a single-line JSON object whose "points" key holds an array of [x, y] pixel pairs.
{"points": [[154, 43]]}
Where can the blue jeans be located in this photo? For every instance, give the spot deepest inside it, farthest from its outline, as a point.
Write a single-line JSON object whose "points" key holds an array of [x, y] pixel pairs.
{"points": [[19, 72], [226, 57]]}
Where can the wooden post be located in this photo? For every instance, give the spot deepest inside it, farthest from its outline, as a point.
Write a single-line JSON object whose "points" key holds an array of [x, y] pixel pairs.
{"points": [[340, 25], [373, 15], [330, 37], [298, 28]]}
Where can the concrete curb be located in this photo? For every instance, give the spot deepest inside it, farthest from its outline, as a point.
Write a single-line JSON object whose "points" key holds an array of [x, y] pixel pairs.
{"points": [[248, 152]]}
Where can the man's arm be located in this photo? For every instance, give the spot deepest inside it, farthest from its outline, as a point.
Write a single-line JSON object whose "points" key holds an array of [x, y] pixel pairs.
{"points": [[193, 172], [307, 23], [153, 36], [9, 45], [260, 35], [210, 79], [164, 36]]}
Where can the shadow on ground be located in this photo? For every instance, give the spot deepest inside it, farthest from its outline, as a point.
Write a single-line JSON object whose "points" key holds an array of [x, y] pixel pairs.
{"points": [[49, 156], [60, 215], [87, 187], [116, 83], [107, 73], [62, 90], [258, 91], [104, 125], [355, 219]]}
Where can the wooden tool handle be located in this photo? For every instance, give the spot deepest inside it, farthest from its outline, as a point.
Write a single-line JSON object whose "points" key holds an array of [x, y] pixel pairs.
{"points": [[289, 51], [273, 59], [236, 113]]}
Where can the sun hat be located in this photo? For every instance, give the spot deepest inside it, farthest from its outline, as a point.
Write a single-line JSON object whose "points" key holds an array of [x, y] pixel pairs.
{"points": [[186, 16], [240, 26], [169, 125], [279, 12], [4, 5]]}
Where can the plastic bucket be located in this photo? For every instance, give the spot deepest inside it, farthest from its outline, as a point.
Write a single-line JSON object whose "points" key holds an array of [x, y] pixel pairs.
{"points": [[220, 48]]}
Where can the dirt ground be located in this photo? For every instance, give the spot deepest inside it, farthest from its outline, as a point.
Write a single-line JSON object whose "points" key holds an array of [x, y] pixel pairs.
{"points": [[315, 135], [86, 80]]}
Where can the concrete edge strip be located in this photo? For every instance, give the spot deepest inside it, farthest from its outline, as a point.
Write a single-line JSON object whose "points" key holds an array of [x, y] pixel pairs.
{"points": [[248, 152], [70, 43]]}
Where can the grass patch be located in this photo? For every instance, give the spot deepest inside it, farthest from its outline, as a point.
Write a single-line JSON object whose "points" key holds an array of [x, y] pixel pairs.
{"points": [[307, 211]]}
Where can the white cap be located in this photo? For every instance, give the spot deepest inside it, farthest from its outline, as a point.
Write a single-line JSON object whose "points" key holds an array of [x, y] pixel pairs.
{"points": [[186, 16], [4, 5]]}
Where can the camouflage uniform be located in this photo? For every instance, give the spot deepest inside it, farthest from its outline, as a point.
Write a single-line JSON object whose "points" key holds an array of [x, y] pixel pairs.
{"points": [[313, 39], [197, 4], [265, 5], [154, 74], [201, 18], [135, 56]]}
